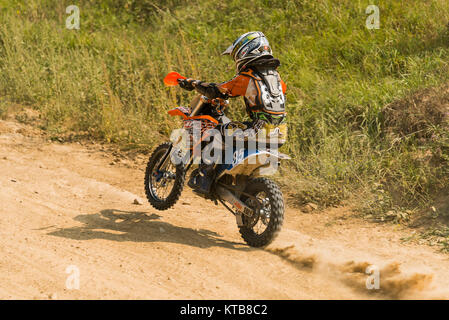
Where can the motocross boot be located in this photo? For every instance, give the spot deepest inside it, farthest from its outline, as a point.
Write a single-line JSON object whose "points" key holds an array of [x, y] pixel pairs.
{"points": [[202, 182]]}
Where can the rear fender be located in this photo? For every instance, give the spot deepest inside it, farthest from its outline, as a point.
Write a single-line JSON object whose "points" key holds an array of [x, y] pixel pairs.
{"points": [[253, 162]]}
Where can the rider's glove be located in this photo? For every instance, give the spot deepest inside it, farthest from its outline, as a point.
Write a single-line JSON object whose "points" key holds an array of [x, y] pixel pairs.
{"points": [[187, 84]]}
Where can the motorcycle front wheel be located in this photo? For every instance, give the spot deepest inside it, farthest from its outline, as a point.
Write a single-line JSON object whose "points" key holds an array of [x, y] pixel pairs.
{"points": [[164, 180]]}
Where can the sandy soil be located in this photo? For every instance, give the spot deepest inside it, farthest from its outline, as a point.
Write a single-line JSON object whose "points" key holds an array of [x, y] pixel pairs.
{"points": [[66, 207]]}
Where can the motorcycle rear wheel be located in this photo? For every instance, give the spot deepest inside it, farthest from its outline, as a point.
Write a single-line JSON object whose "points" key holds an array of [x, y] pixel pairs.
{"points": [[268, 212]]}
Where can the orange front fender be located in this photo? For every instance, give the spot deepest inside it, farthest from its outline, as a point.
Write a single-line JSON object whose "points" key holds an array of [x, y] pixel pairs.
{"points": [[178, 112], [185, 114]]}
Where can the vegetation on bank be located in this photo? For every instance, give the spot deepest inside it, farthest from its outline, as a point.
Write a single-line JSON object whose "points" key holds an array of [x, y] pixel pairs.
{"points": [[345, 82]]}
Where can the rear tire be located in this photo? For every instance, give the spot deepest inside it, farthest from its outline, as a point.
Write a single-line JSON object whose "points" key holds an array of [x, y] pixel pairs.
{"points": [[150, 184], [275, 200]]}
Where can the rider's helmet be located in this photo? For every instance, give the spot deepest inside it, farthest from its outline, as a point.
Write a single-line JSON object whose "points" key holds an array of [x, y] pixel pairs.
{"points": [[247, 48]]}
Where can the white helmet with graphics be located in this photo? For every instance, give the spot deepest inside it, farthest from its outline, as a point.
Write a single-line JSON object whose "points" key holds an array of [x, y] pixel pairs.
{"points": [[247, 48]]}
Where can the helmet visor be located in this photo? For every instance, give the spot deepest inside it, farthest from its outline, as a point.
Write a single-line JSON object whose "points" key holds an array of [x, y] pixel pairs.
{"points": [[228, 50]]}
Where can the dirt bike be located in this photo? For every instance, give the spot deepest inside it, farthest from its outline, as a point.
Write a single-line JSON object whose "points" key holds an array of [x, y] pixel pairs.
{"points": [[255, 201]]}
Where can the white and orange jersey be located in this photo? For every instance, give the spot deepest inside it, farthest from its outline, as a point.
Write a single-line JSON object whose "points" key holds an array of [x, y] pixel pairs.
{"points": [[263, 90]]}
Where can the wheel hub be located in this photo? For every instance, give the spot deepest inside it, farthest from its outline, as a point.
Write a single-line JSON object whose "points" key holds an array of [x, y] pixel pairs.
{"points": [[261, 209]]}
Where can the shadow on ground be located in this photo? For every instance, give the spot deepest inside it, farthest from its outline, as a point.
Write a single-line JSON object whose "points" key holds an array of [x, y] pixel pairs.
{"points": [[136, 226]]}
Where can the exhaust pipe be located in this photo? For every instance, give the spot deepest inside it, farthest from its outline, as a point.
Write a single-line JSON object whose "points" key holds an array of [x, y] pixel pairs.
{"points": [[240, 207]]}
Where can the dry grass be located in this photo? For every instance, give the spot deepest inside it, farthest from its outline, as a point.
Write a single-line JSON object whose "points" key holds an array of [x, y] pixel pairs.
{"points": [[104, 81]]}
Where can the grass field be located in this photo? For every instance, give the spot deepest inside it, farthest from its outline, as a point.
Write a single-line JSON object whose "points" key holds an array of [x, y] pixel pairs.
{"points": [[105, 81]]}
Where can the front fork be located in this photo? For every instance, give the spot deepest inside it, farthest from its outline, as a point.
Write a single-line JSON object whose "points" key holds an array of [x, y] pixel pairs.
{"points": [[164, 158]]}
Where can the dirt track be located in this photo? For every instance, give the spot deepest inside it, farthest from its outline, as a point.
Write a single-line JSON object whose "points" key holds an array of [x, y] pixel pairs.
{"points": [[66, 205]]}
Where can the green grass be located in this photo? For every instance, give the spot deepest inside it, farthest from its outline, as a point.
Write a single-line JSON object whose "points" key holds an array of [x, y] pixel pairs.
{"points": [[106, 79]]}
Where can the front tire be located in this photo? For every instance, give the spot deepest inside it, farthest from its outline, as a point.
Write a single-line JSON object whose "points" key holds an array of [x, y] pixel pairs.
{"points": [[269, 211], [163, 187]]}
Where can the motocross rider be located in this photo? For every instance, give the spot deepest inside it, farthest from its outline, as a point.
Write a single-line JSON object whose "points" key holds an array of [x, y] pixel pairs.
{"points": [[259, 83]]}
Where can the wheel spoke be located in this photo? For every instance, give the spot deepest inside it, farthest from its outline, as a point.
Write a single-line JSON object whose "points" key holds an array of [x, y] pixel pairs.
{"points": [[262, 210], [164, 181], [166, 175]]}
